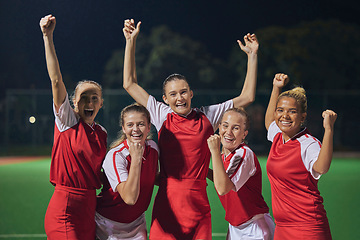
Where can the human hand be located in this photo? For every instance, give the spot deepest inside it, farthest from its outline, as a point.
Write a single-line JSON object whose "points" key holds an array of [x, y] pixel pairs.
{"points": [[136, 151], [214, 143], [280, 80], [129, 30], [47, 25], [251, 44], [329, 119]]}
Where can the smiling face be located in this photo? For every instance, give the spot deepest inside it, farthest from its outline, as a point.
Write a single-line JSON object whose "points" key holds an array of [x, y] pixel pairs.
{"points": [[232, 130], [88, 101], [178, 96], [289, 117], [136, 127]]}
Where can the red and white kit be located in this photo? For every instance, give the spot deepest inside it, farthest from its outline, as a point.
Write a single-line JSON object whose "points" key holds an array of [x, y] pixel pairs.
{"points": [[181, 208], [245, 208], [77, 156], [124, 218], [296, 202]]}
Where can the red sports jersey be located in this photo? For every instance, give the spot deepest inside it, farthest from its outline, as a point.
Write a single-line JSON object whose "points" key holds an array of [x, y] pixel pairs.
{"points": [[78, 151], [296, 200], [181, 208], [116, 166], [77, 155], [246, 201]]}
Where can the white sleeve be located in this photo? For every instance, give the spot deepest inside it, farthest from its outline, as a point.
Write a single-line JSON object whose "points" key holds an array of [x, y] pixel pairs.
{"points": [[246, 169], [66, 117], [158, 112], [115, 167], [310, 154], [214, 112], [272, 131]]}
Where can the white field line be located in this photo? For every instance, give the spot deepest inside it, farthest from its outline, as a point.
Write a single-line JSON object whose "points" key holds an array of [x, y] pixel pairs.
{"points": [[44, 235]]}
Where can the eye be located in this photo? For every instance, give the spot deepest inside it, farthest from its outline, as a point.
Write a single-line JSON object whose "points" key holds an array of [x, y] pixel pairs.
{"points": [[141, 124], [129, 124], [236, 128], [279, 110], [293, 111], [224, 125], [95, 98]]}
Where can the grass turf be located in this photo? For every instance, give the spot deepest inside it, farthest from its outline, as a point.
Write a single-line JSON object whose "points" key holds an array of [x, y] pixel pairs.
{"points": [[25, 192]]}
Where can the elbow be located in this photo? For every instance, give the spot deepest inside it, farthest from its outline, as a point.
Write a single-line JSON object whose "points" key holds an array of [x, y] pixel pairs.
{"points": [[130, 201], [222, 192]]}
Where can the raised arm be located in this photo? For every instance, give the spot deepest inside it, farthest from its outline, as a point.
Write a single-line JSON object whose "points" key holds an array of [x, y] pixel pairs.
{"points": [[130, 189], [280, 80], [130, 79], [47, 25], [247, 95], [222, 182], [323, 162]]}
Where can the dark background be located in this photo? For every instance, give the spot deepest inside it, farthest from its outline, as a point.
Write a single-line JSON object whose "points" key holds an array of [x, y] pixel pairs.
{"points": [[88, 31]]}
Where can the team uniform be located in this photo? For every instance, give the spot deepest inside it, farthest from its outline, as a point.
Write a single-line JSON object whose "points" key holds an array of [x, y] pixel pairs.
{"points": [[296, 202], [77, 155], [245, 208], [181, 209], [114, 218]]}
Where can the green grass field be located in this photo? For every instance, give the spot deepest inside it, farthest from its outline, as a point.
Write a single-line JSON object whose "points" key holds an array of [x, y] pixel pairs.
{"points": [[25, 192]]}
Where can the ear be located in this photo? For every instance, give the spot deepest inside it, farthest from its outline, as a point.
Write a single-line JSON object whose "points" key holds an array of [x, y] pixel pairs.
{"points": [[165, 99], [75, 104], [246, 133], [102, 103], [303, 117], [191, 94]]}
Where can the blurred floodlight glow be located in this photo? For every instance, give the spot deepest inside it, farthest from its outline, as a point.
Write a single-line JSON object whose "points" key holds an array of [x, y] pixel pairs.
{"points": [[32, 119]]}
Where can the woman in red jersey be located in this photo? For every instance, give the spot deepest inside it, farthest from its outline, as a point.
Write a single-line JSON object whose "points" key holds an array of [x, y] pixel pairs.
{"points": [[295, 163], [181, 208], [78, 151], [130, 166], [237, 179]]}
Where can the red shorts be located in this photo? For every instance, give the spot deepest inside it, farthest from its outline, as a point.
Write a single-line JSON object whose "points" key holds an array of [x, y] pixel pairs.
{"points": [[71, 214], [316, 232], [181, 210]]}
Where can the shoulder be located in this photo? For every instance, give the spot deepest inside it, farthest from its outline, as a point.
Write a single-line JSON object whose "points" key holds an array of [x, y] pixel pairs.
{"points": [[152, 144], [101, 128], [306, 139], [244, 152], [119, 151]]}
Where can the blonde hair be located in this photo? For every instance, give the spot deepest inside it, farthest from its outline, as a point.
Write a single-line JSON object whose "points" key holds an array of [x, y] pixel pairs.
{"points": [[299, 94], [243, 113], [135, 107]]}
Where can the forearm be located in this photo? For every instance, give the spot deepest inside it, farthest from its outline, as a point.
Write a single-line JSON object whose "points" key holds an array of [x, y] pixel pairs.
{"points": [[247, 95], [52, 63], [130, 189], [222, 182], [129, 64], [322, 164], [269, 115]]}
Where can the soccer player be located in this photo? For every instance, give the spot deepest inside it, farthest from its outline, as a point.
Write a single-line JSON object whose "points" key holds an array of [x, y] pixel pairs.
{"points": [[78, 151], [237, 179], [181, 208], [295, 163], [130, 166]]}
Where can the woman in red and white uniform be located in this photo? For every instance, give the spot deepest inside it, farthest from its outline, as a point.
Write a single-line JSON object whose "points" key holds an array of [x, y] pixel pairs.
{"points": [[181, 208], [295, 163], [78, 151], [237, 179], [130, 166]]}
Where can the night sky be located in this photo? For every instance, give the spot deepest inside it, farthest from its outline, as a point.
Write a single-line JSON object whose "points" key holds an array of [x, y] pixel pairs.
{"points": [[88, 31]]}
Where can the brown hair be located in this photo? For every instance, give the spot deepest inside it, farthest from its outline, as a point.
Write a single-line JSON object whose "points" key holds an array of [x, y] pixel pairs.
{"points": [[73, 95], [174, 77], [135, 107]]}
